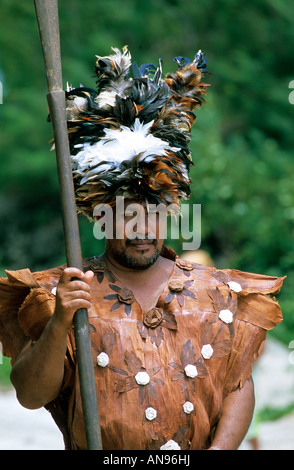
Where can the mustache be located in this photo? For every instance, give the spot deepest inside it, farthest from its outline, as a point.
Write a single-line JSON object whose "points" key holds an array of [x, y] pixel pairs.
{"points": [[142, 240]]}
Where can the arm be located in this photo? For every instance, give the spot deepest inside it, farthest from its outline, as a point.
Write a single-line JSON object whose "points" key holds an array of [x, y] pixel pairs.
{"points": [[237, 414], [37, 373]]}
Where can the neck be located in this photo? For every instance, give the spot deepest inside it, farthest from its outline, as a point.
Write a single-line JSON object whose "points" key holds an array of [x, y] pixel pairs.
{"points": [[127, 272]]}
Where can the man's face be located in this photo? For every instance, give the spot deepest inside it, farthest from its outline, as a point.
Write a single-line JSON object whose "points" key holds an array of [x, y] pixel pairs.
{"points": [[140, 241]]}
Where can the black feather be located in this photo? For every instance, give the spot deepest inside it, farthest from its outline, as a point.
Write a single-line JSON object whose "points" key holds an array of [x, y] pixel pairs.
{"points": [[200, 61], [182, 61]]}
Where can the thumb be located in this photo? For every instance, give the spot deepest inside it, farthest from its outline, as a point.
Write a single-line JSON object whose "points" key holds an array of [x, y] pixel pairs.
{"points": [[88, 277]]}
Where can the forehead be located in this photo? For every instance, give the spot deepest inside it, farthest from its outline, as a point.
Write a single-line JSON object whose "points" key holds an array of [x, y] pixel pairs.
{"points": [[126, 207], [132, 204]]}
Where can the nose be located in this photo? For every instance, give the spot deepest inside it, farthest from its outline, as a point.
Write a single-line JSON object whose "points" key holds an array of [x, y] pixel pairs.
{"points": [[137, 227], [142, 226]]}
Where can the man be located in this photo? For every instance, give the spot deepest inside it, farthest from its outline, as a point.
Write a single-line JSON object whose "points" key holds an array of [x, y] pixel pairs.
{"points": [[173, 342]]}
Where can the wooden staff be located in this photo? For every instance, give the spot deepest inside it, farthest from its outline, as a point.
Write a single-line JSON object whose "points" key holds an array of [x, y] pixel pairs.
{"points": [[48, 21]]}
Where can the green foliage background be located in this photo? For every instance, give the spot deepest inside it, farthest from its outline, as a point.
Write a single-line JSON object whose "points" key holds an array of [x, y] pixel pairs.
{"points": [[242, 143]]}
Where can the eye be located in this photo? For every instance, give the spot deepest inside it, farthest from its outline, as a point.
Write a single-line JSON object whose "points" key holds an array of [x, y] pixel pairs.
{"points": [[152, 212], [130, 213]]}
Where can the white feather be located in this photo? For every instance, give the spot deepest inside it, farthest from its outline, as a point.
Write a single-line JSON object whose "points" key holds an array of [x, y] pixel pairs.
{"points": [[106, 98], [117, 86], [123, 60], [116, 146]]}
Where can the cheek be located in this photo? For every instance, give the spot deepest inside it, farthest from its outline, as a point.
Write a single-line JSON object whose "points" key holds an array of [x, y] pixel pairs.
{"points": [[119, 230], [157, 228], [115, 246]]}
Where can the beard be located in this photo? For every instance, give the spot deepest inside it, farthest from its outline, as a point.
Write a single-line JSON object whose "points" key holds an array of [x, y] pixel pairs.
{"points": [[141, 261]]}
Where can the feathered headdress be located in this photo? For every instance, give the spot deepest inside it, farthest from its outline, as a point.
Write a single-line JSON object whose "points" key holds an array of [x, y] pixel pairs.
{"points": [[130, 137]]}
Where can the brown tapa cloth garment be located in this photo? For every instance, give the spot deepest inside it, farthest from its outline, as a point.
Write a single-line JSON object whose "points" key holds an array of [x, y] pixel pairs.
{"points": [[164, 373]]}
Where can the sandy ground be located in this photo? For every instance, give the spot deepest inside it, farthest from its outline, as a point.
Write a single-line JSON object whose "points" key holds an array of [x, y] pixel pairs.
{"points": [[22, 429]]}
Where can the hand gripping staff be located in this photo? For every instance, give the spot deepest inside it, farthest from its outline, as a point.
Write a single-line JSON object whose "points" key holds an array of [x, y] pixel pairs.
{"points": [[48, 21]]}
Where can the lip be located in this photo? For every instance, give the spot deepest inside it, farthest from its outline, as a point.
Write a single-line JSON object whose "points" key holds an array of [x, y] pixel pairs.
{"points": [[141, 244]]}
